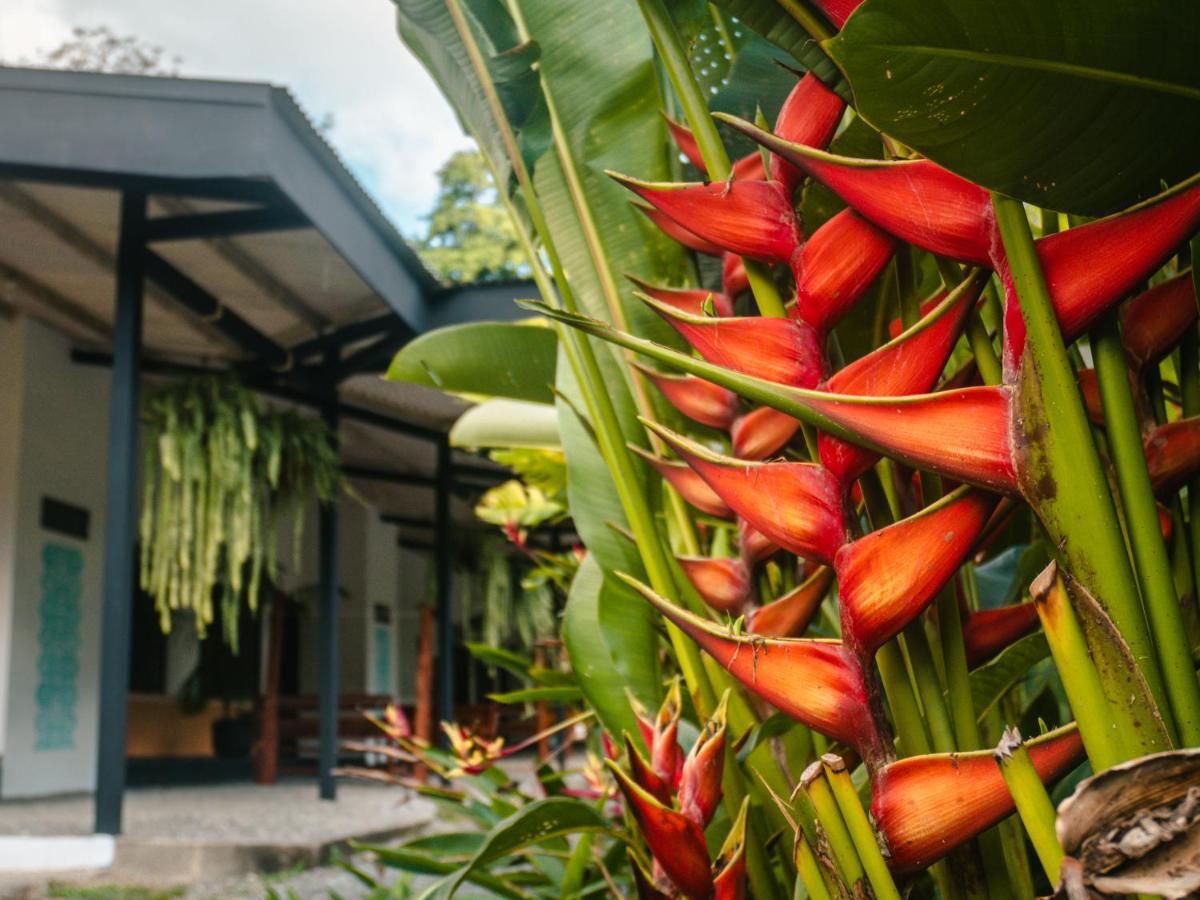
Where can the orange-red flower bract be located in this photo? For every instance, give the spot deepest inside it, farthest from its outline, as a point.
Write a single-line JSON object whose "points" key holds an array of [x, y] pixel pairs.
{"points": [[810, 115], [753, 545], [1156, 320], [729, 868], [782, 350], [963, 434], [1173, 454], [915, 200], [796, 505], [910, 364], [887, 578], [817, 682], [762, 432], [928, 805], [790, 615], [699, 400], [691, 486], [837, 11], [722, 582], [989, 631], [686, 300], [835, 267], [700, 783], [643, 773], [750, 218], [734, 280], [678, 233], [676, 842]]}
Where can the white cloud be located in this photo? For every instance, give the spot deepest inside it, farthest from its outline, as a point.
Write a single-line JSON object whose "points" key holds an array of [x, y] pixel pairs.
{"points": [[392, 126]]}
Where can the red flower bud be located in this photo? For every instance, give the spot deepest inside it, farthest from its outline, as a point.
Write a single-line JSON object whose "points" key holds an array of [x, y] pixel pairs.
{"points": [[925, 806], [691, 487], [722, 582], [686, 300], [699, 400], [810, 115], [645, 776], [729, 869], [678, 233], [888, 577], [1173, 454], [1156, 320], [700, 784], [790, 615], [989, 631], [762, 433], [754, 545], [837, 11], [734, 280], [796, 505]]}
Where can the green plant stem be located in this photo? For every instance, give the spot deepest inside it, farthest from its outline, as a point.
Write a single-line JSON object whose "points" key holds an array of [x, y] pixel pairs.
{"points": [[958, 680], [929, 687], [1032, 802], [810, 870], [986, 360], [902, 700], [1145, 537], [695, 109], [1077, 508], [860, 829], [825, 810], [1189, 386], [809, 21]]}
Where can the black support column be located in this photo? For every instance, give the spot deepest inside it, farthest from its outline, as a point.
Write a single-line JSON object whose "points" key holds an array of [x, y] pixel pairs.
{"points": [[120, 518], [442, 558], [327, 619]]}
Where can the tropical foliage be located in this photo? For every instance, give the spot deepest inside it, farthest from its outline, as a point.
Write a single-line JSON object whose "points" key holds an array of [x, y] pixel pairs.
{"points": [[875, 437]]}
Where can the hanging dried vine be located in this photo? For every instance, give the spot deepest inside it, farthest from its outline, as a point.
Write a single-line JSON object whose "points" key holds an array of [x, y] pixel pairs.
{"points": [[220, 475]]}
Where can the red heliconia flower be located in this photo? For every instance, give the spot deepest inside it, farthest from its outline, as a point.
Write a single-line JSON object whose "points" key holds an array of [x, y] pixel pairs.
{"points": [[916, 200], [643, 882], [687, 300], [678, 233], [810, 115], [817, 682], [925, 806], [734, 279], [691, 487], [835, 267], [1173, 454], [762, 433], [699, 400], [910, 364], [729, 868], [748, 167], [645, 776], [754, 545], [659, 734], [796, 505], [750, 218], [989, 631], [837, 11], [963, 434], [790, 615], [1156, 320], [782, 350], [722, 582], [1090, 388], [675, 841], [700, 783], [888, 577]]}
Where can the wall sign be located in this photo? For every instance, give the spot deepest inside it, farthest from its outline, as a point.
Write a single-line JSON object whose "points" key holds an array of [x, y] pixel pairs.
{"points": [[59, 614]]}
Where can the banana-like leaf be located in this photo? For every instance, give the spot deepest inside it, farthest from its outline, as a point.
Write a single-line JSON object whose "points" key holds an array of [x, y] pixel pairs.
{"points": [[507, 423], [1061, 103], [482, 359]]}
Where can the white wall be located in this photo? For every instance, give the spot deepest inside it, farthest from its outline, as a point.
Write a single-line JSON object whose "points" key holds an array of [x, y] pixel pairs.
{"points": [[63, 444]]}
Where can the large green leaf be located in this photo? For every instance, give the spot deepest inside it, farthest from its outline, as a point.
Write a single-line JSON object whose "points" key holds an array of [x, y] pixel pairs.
{"points": [[428, 29], [609, 634], [503, 423], [993, 679], [1078, 105], [488, 359]]}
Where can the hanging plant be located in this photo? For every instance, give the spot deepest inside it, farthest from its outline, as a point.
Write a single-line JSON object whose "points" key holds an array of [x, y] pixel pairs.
{"points": [[220, 473]]}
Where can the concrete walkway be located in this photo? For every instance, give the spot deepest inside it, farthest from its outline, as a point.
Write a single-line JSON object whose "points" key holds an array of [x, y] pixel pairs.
{"points": [[210, 834]]}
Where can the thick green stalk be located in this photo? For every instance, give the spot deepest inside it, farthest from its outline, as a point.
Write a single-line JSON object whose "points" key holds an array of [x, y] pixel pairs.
{"points": [[1145, 537], [695, 109], [929, 686], [962, 705], [986, 360], [859, 827], [811, 875], [1032, 802], [902, 700], [825, 810], [1067, 484]]}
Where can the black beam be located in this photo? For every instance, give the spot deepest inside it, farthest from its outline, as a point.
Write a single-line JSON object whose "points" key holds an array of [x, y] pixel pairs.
{"points": [[242, 190], [228, 223], [327, 626], [376, 356], [120, 517], [381, 420], [367, 473], [204, 304], [346, 335], [442, 575]]}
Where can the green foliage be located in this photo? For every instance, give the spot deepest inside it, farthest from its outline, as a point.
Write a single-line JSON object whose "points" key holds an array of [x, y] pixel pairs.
{"points": [[1083, 106], [220, 473], [469, 236]]}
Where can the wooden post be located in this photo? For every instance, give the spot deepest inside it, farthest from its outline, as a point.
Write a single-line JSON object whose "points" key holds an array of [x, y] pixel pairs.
{"points": [[544, 717], [266, 760], [423, 715]]}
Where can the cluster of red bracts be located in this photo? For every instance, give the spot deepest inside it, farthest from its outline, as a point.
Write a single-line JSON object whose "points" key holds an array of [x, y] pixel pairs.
{"points": [[878, 404], [673, 799]]}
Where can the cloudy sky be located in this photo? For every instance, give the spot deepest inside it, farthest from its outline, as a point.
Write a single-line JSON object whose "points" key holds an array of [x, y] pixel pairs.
{"points": [[337, 56]]}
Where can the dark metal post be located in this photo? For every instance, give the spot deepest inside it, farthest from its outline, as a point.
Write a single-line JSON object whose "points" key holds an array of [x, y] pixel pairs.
{"points": [[327, 621], [120, 516], [442, 558]]}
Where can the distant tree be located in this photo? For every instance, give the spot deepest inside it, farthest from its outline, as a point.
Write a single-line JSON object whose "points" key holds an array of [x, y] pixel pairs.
{"points": [[469, 236], [100, 49]]}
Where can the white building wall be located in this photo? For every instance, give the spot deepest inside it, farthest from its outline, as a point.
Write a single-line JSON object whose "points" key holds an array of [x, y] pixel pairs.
{"points": [[52, 697]]}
